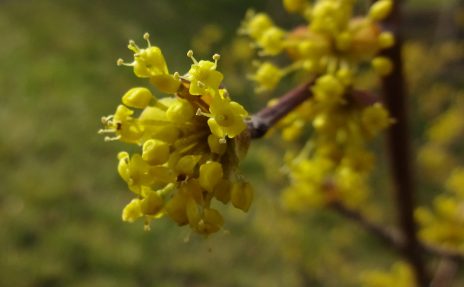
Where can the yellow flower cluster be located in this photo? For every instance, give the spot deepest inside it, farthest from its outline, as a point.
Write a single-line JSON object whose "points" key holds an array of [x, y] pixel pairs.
{"points": [[335, 163], [190, 143], [333, 41], [331, 47], [400, 275], [435, 157], [444, 225]]}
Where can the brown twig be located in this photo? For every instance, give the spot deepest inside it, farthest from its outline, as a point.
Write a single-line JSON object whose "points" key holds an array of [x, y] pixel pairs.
{"points": [[399, 148], [390, 237], [263, 120], [444, 274]]}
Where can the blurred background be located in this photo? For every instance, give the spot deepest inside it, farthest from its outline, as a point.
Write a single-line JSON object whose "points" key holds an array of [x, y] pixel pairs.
{"points": [[61, 197]]}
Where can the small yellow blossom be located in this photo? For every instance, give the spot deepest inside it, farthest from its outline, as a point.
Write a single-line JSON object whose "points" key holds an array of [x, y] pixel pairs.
{"points": [[256, 24], [227, 118], [375, 118], [203, 77], [267, 76]]}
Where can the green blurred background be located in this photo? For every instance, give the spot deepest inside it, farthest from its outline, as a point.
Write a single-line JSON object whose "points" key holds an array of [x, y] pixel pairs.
{"points": [[61, 197]]}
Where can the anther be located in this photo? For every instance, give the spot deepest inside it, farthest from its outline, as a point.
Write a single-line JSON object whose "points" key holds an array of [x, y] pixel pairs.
{"points": [[120, 62], [216, 57]]}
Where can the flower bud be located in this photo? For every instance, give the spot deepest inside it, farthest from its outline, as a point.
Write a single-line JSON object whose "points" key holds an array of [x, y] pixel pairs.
{"points": [[215, 145], [132, 211], [152, 203], [380, 10], [386, 40], [241, 195], [155, 152], [383, 66], [168, 84], [180, 111], [294, 6], [137, 98], [210, 175]]}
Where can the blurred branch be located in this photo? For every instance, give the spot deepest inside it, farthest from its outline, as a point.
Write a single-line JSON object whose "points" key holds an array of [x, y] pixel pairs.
{"points": [[394, 92], [391, 237], [444, 274]]}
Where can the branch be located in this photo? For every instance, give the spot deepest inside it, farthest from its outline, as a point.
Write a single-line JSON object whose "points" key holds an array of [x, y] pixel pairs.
{"points": [[263, 120], [399, 147], [391, 237]]}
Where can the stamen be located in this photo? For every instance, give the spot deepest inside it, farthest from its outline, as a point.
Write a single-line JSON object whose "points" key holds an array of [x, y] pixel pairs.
{"points": [[146, 36], [110, 139], [133, 47], [190, 55], [105, 131], [120, 62], [216, 58], [222, 141], [201, 113]]}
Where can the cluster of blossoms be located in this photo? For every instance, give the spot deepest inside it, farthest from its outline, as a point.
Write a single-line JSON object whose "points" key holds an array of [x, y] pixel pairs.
{"points": [[331, 49], [191, 143], [444, 225]]}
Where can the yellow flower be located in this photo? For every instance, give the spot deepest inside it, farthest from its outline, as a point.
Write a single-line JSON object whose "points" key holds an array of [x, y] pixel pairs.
{"points": [[203, 77], [272, 41], [267, 76], [375, 119], [147, 62], [227, 118], [150, 63], [126, 128], [256, 24]]}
